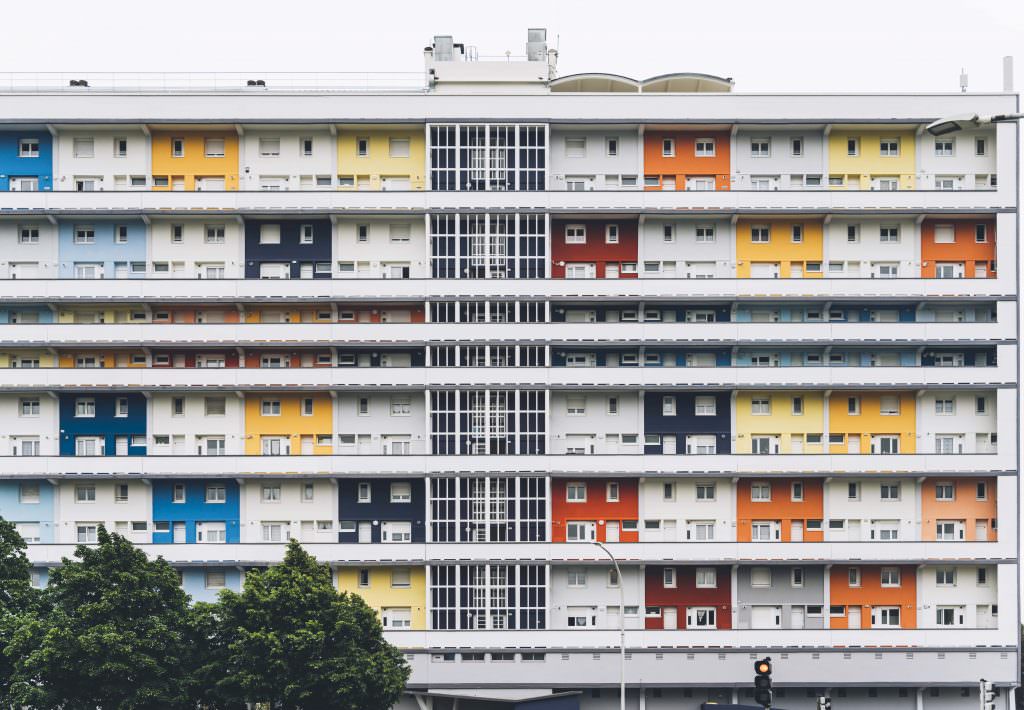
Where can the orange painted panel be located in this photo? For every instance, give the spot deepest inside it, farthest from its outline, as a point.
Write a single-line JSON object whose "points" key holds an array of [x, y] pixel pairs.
{"points": [[871, 593], [781, 507], [965, 506], [965, 247], [685, 162], [595, 508]]}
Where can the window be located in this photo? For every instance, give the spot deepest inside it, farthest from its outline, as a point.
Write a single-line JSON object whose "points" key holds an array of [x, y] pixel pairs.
{"points": [[308, 492], [271, 493], [889, 234], [705, 491], [760, 492], [575, 147], [668, 147], [760, 577], [576, 493], [797, 234], [981, 491], [398, 147], [611, 234], [668, 406], [668, 491], [611, 146], [705, 233], [85, 493], [85, 235], [83, 147], [575, 234], [270, 234], [401, 492], [889, 405], [889, 147], [885, 616], [214, 147], [612, 492], [944, 147], [576, 406], [945, 577], [363, 492], [853, 576], [760, 147], [761, 406], [853, 146], [796, 147], [613, 405], [30, 235], [216, 493], [215, 406], [363, 406], [306, 146], [28, 492], [703, 148], [269, 147], [981, 577], [85, 407], [362, 147], [980, 146], [798, 406], [29, 407], [178, 493], [760, 234], [705, 406], [707, 578], [889, 491], [945, 406], [28, 148], [306, 234], [796, 577], [796, 491], [980, 405], [578, 531], [577, 577], [668, 577], [890, 576], [270, 408], [364, 578]]}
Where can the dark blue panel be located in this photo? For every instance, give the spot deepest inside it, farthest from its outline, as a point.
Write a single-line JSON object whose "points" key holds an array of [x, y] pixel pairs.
{"points": [[380, 508], [105, 423], [289, 249], [195, 508], [11, 165], [685, 421]]}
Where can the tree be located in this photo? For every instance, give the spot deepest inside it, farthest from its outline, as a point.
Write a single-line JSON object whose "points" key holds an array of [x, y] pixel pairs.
{"points": [[114, 631], [17, 596], [292, 641]]}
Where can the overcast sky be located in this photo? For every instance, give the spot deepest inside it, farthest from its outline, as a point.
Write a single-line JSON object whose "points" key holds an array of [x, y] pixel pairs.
{"points": [[786, 45]]}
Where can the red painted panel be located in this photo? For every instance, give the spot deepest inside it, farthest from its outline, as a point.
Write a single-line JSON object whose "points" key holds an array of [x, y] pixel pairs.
{"points": [[596, 507], [596, 249], [686, 593]]}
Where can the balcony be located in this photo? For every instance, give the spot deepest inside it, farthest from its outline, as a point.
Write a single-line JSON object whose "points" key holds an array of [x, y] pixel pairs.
{"points": [[583, 334], [555, 378]]}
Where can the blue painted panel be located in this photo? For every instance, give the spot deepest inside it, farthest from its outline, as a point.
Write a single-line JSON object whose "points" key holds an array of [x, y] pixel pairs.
{"points": [[105, 249], [289, 249], [193, 581], [11, 165], [194, 509], [104, 424], [686, 422], [12, 509], [380, 508], [43, 314]]}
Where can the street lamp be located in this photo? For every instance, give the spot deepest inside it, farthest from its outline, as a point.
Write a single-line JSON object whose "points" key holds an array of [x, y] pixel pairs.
{"points": [[966, 121], [622, 626]]}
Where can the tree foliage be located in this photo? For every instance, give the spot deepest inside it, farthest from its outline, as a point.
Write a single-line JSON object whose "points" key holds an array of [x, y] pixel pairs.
{"points": [[291, 640], [17, 597], [114, 631]]}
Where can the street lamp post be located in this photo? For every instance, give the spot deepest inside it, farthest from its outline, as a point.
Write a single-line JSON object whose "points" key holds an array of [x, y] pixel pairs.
{"points": [[622, 626], [963, 122]]}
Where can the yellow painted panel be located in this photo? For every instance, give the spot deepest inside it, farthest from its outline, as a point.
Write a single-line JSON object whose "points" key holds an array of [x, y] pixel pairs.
{"points": [[378, 162], [869, 161], [195, 163], [380, 594], [290, 423], [871, 421], [781, 248], [781, 421]]}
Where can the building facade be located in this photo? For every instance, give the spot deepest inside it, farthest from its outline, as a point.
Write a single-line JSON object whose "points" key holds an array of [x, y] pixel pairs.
{"points": [[761, 347]]}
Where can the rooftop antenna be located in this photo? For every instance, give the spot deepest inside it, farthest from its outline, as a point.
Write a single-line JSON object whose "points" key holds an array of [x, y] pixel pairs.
{"points": [[963, 81]]}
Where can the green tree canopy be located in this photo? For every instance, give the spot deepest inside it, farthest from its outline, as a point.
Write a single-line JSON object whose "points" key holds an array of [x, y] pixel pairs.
{"points": [[17, 597], [114, 631], [291, 640]]}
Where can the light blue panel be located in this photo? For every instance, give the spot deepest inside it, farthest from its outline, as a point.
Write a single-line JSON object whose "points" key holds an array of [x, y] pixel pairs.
{"points": [[14, 510], [194, 582], [43, 314], [105, 249]]}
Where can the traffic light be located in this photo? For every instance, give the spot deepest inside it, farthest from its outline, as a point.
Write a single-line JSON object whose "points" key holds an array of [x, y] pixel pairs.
{"points": [[763, 682], [988, 695], [824, 702]]}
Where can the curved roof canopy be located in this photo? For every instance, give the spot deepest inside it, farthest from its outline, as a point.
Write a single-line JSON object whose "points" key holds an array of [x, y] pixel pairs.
{"points": [[680, 82], [595, 83]]}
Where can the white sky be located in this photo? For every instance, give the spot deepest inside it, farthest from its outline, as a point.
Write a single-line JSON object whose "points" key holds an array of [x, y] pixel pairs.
{"points": [[794, 45]]}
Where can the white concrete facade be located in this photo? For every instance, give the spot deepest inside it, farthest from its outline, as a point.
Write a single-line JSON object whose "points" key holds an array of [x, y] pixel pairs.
{"points": [[380, 248], [589, 597], [289, 158], [195, 430], [589, 423], [606, 158], [687, 510], [957, 422], [687, 248], [872, 247], [309, 509], [960, 161], [374, 423], [855, 510], [103, 159], [31, 424], [794, 159], [30, 249], [196, 248], [125, 507]]}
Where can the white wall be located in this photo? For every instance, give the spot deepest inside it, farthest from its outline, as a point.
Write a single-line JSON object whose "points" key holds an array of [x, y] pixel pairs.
{"points": [[104, 164], [375, 256], [138, 508], [371, 428], [290, 163], [596, 596], [195, 423], [870, 506], [685, 507], [45, 426], [789, 169], [684, 250], [596, 421], [595, 163], [291, 509], [870, 249], [965, 592], [963, 163], [193, 252], [45, 253], [964, 420]]}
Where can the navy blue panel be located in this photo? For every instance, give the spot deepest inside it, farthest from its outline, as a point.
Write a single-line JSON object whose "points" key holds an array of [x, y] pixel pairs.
{"points": [[289, 249], [380, 508], [685, 421], [104, 423]]}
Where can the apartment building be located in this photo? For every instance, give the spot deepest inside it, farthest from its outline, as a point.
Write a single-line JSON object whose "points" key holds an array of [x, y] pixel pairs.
{"points": [[780, 389]]}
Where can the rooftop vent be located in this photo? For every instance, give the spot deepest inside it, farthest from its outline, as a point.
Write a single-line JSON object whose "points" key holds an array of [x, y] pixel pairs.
{"points": [[536, 45], [255, 82], [78, 82]]}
